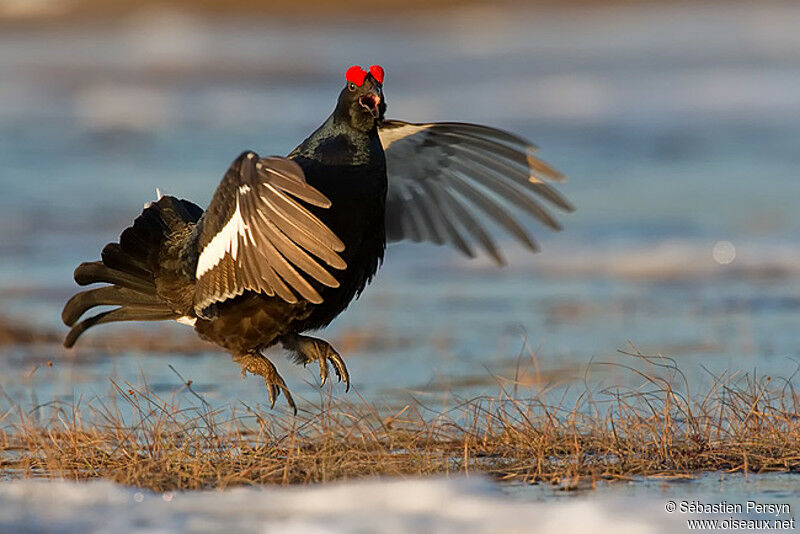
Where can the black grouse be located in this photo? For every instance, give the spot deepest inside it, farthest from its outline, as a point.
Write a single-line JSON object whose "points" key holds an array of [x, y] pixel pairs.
{"points": [[287, 243]]}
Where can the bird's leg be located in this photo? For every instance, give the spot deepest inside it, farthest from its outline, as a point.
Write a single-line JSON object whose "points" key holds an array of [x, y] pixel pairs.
{"points": [[308, 349], [260, 365]]}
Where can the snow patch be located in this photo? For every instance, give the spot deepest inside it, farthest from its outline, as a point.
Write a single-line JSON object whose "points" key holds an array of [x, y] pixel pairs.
{"points": [[457, 506]]}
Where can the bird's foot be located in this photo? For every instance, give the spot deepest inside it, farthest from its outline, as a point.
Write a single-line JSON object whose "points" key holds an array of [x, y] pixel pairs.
{"points": [[308, 349], [260, 365]]}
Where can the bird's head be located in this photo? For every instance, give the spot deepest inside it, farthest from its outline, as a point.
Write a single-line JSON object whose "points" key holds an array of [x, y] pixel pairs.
{"points": [[361, 101]]}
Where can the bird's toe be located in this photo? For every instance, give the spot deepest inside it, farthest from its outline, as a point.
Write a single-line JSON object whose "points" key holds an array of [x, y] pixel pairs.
{"points": [[308, 349], [259, 365]]}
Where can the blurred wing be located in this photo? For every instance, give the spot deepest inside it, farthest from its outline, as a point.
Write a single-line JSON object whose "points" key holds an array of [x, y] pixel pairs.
{"points": [[447, 178], [256, 236]]}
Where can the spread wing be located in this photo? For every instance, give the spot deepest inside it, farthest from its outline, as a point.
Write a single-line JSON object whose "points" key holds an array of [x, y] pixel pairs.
{"points": [[446, 179], [257, 236]]}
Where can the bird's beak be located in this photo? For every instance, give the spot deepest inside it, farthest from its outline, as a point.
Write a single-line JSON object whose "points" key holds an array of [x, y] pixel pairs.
{"points": [[372, 102]]}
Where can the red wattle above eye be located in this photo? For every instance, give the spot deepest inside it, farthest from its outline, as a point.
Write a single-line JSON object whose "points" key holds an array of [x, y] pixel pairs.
{"points": [[377, 72], [356, 75]]}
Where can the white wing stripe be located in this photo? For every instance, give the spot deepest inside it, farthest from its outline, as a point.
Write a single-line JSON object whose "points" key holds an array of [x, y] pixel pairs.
{"points": [[226, 240], [391, 135]]}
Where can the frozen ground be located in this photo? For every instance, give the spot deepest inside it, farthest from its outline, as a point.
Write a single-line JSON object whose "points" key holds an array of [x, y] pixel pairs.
{"points": [[435, 505], [457, 506]]}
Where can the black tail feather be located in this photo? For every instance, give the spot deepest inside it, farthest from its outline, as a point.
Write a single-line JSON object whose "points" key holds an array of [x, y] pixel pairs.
{"points": [[131, 266], [104, 296], [96, 272], [115, 257], [125, 313], [148, 229]]}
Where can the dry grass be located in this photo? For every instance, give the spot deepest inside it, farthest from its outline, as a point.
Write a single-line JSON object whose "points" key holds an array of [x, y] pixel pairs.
{"points": [[741, 423]]}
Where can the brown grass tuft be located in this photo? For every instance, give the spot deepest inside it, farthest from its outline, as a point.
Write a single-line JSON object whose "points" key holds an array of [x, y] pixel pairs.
{"points": [[741, 423]]}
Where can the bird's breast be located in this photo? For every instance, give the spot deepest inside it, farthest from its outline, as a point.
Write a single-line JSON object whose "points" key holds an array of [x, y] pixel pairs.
{"points": [[358, 199], [357, 217]]}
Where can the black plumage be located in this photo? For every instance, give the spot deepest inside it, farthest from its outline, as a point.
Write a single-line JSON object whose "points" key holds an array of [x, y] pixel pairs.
{"points": [[287, 243]]}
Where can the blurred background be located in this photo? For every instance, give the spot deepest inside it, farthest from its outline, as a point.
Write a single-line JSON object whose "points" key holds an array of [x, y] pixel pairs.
{"points": [[678, 124]]}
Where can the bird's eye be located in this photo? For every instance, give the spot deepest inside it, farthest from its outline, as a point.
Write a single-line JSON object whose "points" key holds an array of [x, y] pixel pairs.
{"points": [[351, 86]]}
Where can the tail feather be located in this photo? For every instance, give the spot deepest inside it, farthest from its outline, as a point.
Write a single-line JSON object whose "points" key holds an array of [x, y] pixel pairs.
{"points": [[104, 296], [131, 266], [115, 257], [150, 227], [125, 313], [96, 272], [135, 244]]}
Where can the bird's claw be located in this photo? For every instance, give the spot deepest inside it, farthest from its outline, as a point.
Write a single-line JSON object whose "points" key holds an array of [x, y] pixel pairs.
{"points": [[310, 349], [259, 365], [340, 368]]}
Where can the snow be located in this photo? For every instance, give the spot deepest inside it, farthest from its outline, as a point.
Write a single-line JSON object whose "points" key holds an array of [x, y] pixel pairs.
{"points": [[458, 506]]}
